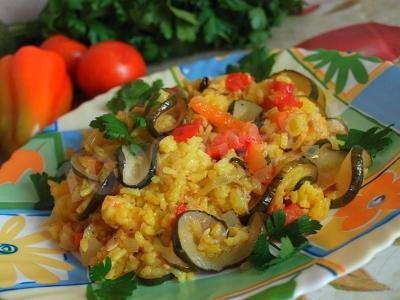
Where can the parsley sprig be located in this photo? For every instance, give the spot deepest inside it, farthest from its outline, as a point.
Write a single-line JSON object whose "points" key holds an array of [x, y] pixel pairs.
{"points": [[106, 289], [135, 93], [42, 188], [258, 63], [373, 140], [115, 129], [286, 239]]}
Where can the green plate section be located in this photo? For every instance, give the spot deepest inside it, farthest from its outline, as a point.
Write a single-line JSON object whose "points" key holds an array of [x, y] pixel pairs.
{"points": [[218, 285]]}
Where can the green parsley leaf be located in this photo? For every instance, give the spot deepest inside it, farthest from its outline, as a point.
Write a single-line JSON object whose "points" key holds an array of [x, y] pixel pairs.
{"points": [[287, 247], [292, 238], [42, 188], [258, 63], [105, 289], [99, 271], [373, 140], [112, 127], [138, 120], [134, 93], [258, 19]]}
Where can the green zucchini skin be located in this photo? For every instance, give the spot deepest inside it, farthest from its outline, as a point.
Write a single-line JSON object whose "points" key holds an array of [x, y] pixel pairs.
{"points": [[203, 84], [155, 281], [176, 243], [269, 194], [106, 188], [152, 169], [175, 101], [357, 177]]}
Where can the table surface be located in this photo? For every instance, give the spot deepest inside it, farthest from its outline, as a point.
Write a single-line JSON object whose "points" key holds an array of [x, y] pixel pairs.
{"points": [[380, 278]]}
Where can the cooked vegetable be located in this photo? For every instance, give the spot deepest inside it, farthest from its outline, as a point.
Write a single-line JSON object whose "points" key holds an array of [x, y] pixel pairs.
{"points": [[257, 164], [245, 110], [350, 176], [337, 126], [155, 281], [306, 87], [290, 235], [203, 84], [185, 246], [285, 181], [108, 64], [238, 161], [35, 90], [328, 162], [167, 253], [238, 81], [103, 288], [136, 170], [282, 96], [80, 170], [70, 50], [373, 140], [214, 115], [106, 188], [166, 116], [159, 29], [184, 132]]}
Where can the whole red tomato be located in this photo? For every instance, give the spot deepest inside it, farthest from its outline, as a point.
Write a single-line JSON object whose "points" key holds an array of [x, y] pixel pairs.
{"points": [[70, 50], [109, 64]]}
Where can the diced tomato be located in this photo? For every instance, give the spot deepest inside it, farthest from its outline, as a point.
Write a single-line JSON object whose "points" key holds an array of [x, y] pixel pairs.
{"points": [[238, 81], [279, 119], [184, 132], [282, 96], [180, 209], [218, 118], [77, 238], [236, 139], [292, 212], [257, 164]]}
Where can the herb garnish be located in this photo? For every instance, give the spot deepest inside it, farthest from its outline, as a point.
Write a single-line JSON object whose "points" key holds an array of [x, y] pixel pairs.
{"points": [[373, 140], [106, 289], [42, 188], [258, 63], [134, 93], [292, 238], [115, 129]]}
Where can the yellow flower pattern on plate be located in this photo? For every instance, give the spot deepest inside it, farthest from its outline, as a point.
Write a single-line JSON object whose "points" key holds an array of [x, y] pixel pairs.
{"points": [[19, 253]]}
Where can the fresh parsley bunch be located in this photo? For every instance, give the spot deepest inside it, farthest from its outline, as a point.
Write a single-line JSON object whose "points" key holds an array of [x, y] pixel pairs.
{"points": [[159, 29]]}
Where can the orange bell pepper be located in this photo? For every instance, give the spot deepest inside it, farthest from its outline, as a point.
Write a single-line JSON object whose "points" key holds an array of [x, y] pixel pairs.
{"points": [[35, 90], [217, 117]]}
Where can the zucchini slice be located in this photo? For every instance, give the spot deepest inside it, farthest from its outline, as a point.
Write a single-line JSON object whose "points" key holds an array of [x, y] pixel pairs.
{"points": [[288, 179], [203, 84], [306, 86], [337, 126], [167, 253], [167, 115], [155, 281], [137, 170], [80, 170], [350, 177], [106, 188], [327, 160], [186, 248], [245, 110]]}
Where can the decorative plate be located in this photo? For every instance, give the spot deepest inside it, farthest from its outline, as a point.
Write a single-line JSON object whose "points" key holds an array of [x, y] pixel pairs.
{"points": [[364, 91]]}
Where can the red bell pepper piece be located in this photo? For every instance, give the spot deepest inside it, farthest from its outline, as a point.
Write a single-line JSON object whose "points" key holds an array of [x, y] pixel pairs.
{"points": [[257, 164], [180, 209], [184, 132], [282, 96], [238, 81], [292, 212], [37, 91]]}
